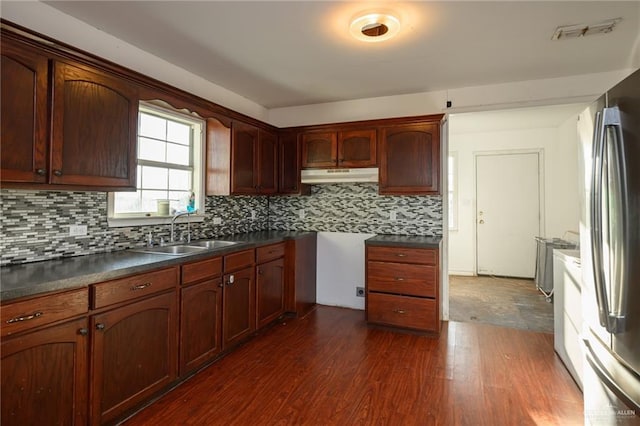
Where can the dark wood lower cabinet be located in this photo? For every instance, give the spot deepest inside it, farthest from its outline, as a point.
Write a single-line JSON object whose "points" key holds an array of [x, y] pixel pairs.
{"points": [[238, 307], [269, 291], [134, 355], [200, 324], [45, 376]]}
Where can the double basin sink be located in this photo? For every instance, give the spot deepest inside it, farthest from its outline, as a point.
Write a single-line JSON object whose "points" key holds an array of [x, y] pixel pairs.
{"points": [[183, 249]]}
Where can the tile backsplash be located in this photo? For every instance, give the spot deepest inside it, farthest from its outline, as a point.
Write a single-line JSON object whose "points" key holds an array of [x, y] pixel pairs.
{"points": [[34, 225], [357, 207]]}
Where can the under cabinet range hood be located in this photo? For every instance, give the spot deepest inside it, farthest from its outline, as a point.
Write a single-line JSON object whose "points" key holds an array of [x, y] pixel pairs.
{"points": [[316, 176]]}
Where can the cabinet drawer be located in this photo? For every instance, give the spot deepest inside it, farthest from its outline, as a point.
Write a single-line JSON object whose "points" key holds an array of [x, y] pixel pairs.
{"points": [[414, 280], [270, 252], [403, 311], [121, 290], [239, 260], [20, 316], [198, 271], [403, 255]]}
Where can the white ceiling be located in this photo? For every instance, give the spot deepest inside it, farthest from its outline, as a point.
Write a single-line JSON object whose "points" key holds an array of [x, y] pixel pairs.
{"points": [[292, 53]]}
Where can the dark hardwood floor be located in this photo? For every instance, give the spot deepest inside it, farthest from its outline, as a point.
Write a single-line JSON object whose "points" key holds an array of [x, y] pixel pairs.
{"points": [[329, 368]]}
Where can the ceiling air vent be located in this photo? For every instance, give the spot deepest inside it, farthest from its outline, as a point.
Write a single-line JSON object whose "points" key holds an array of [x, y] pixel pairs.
{"points": [[581, 30]]}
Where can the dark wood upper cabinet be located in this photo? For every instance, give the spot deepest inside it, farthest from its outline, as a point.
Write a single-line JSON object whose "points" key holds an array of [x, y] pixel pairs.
{"points": [[64, 124], [243, 160], [244, 140], [348, 148], [410, 159], [289, 165], [319, 150], [96, 114], [45, 376], [23, 116], [357, 148], [267, 162]]}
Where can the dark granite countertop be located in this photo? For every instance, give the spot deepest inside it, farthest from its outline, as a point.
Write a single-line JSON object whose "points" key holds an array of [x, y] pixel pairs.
{"points": [[417, 241], [65, 274]]}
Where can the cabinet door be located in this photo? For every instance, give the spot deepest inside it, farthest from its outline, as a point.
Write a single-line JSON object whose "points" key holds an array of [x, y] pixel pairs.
{"points": [[269, 291], [267, 163], [93, 114], [238, 307], [23, 116], [200, 318], [319, 150], [45, 376], [134, 355], [244, 141], [410, 159], [289, 162], [357, 148]]}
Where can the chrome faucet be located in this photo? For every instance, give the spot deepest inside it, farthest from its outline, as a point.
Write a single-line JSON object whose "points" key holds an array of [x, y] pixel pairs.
{"points": [[173, 221]]}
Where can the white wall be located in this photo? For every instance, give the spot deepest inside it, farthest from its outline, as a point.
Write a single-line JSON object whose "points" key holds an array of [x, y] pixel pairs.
{"points": [[341, 265], [560, 156]]}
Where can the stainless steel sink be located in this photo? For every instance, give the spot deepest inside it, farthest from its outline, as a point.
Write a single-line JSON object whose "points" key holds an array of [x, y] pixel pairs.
{"points": [[211, 244], [184, 249], [179, 250]]}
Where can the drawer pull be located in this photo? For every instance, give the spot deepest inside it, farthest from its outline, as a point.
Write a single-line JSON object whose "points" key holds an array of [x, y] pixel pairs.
{"points": [[100, 326], [25, 318], [401, 255], [140, 286], [399, 311], [399, 279]]}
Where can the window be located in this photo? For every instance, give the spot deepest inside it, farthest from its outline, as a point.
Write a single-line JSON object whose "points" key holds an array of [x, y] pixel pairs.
{"points": [[169, 169], [453, 190]]}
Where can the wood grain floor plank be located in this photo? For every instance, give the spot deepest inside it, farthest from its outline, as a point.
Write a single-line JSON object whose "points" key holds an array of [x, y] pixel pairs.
{"points": [[330, 368]]}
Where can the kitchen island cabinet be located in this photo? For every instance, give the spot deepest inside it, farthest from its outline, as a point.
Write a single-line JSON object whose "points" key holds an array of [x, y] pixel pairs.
{"points": [[402, 287]]}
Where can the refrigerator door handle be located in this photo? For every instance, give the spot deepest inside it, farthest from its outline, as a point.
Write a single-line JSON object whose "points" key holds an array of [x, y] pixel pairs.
{"points": [[596, 219], [609, 157], [618, 216]]}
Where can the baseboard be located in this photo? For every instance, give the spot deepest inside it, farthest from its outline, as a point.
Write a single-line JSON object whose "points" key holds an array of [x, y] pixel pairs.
{"points": [[463, 273]]}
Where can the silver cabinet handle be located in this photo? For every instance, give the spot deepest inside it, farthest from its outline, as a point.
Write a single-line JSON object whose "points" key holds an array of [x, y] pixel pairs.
{"points": [[399, 311], [140, 286]]}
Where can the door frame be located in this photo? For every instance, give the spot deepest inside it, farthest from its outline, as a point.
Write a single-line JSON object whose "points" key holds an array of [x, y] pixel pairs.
{"points": [[541, 191]]}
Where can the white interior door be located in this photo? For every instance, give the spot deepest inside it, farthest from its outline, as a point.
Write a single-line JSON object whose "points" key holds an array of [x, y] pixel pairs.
{"points": [[507, 214]]}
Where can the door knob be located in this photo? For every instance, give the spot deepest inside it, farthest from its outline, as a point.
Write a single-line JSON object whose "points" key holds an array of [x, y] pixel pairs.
{"points": [[481, 222]]}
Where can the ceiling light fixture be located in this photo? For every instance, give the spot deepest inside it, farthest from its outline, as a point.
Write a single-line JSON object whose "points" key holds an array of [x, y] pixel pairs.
{"points": [[374, 27]]}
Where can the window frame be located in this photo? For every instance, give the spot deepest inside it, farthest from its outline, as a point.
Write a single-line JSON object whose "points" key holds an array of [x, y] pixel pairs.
{"points": [[197, 148]]}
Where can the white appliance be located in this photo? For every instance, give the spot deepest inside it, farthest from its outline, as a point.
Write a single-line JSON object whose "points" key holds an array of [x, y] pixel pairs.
{"points": [[317, 176], [567, 310], [609, 133]]}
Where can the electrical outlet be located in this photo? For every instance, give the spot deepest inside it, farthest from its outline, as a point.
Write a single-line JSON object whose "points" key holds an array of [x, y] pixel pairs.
{"points": [[253, 215], [360, 291], [393, 215], [77, 230], [301, 214], [217, 221]]}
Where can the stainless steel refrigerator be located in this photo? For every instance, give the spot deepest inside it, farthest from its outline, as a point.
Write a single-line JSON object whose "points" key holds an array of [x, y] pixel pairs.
{"points": [[609, 133]]}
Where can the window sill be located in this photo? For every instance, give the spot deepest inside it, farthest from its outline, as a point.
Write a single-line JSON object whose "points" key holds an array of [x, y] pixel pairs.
{"points": [[152, 220]]}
